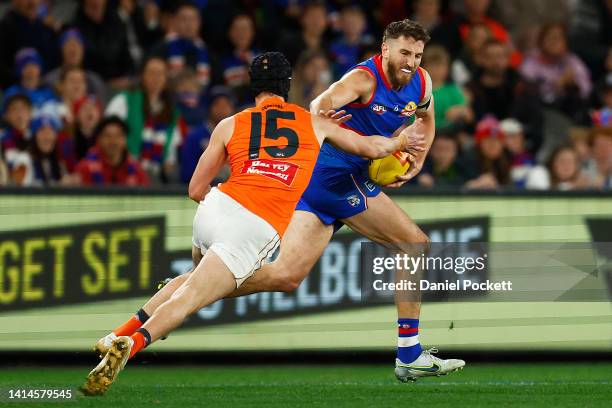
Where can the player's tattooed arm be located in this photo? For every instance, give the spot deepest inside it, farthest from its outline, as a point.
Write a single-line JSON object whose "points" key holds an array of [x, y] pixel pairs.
{"points": [[211, 161], [371, 147], [355, 86]]}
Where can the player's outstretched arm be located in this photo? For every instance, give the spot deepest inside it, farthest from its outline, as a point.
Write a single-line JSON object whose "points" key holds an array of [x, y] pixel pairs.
{"points": [[356, 85], [211, 161], [371, 147]]}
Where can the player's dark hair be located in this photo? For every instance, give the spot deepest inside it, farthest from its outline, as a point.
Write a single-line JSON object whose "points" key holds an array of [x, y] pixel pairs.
{"points": [[406, 28], [270, 72], [110, 120]]}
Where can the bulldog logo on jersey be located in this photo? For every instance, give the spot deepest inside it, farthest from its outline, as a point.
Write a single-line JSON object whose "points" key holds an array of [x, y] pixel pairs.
{"points": [[353, 200], [409, 109]]}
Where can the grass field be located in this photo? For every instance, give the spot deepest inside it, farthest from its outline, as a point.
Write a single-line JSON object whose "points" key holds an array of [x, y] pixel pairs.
{"points": [[546, 385]]}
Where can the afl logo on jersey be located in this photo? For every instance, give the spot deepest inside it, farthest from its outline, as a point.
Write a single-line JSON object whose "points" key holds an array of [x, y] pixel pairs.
{"points": [[409, 109], [378, 109]]}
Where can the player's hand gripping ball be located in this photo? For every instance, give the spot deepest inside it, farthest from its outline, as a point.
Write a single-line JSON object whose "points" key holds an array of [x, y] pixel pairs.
{"points": [[385, 171]]}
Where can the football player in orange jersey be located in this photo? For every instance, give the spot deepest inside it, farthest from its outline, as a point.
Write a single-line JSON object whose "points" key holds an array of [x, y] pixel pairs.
{"points": [[272, 149]]}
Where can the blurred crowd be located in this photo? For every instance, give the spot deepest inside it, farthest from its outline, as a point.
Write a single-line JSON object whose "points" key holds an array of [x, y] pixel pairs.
{"points": [[101, 92]]}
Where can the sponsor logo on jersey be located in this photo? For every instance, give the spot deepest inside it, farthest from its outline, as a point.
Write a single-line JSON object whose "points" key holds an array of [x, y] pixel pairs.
{"points": [[353, 200], [409, 109], [378, 109], [275, 169]]}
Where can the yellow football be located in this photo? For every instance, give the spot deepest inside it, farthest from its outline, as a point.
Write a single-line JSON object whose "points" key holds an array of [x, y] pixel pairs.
{"points": [[385, 171]]}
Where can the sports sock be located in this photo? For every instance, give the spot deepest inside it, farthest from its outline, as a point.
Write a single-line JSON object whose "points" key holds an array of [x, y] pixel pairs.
{"points": [[134, 323], [408, 346], [142, 338]]}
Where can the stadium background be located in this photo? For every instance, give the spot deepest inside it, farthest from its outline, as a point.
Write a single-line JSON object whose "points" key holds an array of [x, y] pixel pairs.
{"points": [[515, 190]]}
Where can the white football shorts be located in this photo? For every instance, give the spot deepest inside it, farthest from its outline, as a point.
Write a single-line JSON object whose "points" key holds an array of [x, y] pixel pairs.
{"points": [[243, 240]]}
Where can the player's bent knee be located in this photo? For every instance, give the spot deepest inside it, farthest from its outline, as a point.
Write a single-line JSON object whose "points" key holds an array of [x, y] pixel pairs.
{"points": [[288, 283]]}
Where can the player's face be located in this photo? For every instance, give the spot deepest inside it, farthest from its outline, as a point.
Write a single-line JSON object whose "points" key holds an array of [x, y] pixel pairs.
{"points": [[401, 57]]}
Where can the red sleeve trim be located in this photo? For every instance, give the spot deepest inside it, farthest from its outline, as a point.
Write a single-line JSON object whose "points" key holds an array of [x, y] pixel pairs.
{"points": [[423, 85], [363, 105]]}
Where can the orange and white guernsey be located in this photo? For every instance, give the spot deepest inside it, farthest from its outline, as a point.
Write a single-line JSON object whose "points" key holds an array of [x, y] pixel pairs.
{"points": [[272, 154]]}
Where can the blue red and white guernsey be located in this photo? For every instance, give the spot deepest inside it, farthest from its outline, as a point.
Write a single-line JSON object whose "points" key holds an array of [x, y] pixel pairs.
{"points": [[339, 187]]}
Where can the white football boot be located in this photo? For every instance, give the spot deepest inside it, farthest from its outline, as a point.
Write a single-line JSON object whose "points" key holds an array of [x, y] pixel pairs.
{"points": [[426, 365]]}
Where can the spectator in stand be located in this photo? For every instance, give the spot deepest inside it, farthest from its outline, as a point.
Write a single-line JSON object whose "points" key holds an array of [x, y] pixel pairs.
{"points": [[451, 104], [345, 50], [222, 105], [106, 42], [29, 67], [368, 52], [47, 165], [476, 12], [235, 64], [142, 28], [109, 162], [441, 31], [72, 87], [492, 162], [4, 174], [590, 34], [521, 16], [601, 145], [23, 27], [87, 115], [71, 43], [521, 161], [562, 79], [312, 76], [443, 168], [604, 88], [467, 64], [15, 133], [189, 99], [183, 46], [155, 126], [562, 172], [499, 90], [580, 141], [312, 37]]}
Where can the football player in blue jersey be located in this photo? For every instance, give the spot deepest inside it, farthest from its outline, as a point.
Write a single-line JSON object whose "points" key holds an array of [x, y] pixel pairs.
{"points": [[380, 96]]}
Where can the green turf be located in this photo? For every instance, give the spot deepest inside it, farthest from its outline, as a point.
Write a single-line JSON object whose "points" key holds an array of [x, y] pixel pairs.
{"points": [[547, 385]]}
